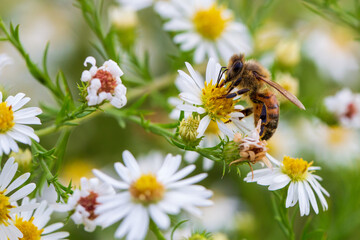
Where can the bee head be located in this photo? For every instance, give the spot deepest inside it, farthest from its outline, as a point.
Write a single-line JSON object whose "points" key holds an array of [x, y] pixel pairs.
{"points": [[236, 65]]}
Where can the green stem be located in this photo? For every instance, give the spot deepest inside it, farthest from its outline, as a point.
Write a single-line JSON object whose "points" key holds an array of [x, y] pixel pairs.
{"points": [[154, 228], [281, 215]]}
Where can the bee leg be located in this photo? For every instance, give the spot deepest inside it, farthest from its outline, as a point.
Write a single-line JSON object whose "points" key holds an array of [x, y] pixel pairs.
{"points": [[221, 73], [241, 91], [246, 112], [234, 84]]}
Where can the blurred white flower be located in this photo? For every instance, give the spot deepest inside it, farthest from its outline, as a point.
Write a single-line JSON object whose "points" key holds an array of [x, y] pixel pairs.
{"points": [[346, 106], [149, 194], [303, 183], [123, 17], [104, 83], [335, 53], [8, 206], [205, 26], [33, 223], [333, 145], [13, 122], [4, 60], [136, 4], [84, 201], [206, 98]]}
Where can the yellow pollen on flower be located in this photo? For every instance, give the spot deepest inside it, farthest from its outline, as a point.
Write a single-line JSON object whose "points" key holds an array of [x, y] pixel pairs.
{"points": [[295, 168], [5, 207], [147, 189], [210, 23], [28, 229], [214, 102], [6, 118]]}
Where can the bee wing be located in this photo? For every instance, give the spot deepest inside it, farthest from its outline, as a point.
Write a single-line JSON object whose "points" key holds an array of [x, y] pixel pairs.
{"points": [[285, 93]]}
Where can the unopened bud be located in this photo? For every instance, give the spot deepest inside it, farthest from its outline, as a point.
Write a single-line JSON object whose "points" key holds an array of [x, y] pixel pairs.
{"points": [[200, 236], [188, 129], [23, 158], [231, 152], [288, 52]]}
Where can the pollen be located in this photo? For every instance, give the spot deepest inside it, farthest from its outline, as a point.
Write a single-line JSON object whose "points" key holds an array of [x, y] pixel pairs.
{"points": [[5, 207], [28, 229], [146, 189], [89, 203], [295, 168], [212, 128], [210, 23], [215, 104], [6, 118], [108, 82]]}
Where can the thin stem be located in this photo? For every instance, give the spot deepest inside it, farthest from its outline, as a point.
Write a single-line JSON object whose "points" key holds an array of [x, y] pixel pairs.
{"points": [[281, 215], [154, 228]]}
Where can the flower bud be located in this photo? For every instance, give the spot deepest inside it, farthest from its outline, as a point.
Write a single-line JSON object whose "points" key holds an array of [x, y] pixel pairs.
{"points": [[23, 158], [200, 236], [288, 52], [188, 130], [231, 151]]}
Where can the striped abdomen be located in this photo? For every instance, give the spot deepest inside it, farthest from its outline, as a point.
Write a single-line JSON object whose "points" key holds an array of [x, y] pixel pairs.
{"points": [[266, 108]]}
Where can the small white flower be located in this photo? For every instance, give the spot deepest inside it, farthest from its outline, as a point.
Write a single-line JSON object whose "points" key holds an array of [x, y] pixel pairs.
{"points": [[104, 83], [149, 194], [335, 53], [207, 98], [33, 223], [298, 174], [136, 4], [8, 207], [13, 122], [206, 27], [85, 201], [346, 106]]}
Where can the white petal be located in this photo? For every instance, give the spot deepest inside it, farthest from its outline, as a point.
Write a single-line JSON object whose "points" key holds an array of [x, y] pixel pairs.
{"points": [[160, 218], [204, 123]]}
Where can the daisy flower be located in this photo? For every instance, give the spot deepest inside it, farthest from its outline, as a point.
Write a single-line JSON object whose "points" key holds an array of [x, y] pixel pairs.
{"points": [[144, 195], [13, 120], [8, 207], [207, 99], [346, 106], [104, 83], [205, 26], [84, 201], [33, 223], [298, 174]]}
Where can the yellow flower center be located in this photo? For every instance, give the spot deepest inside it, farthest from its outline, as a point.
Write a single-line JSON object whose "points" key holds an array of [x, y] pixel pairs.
{"points": [[5, 207], [146, 189], [214, 102], [295, 168], [210, 23], [6, 118], [28, 229], [337, 135]]}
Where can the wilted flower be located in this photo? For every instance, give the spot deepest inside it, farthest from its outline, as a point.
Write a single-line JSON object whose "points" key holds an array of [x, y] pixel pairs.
{"points": [[303, 183], [346, 106], [13, 122], [84, 201], [149, 194], [104, 83], [206, 27], [33, 223]]}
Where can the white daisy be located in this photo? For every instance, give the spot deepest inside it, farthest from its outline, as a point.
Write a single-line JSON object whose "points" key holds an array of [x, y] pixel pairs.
{"points": [[13, 120], [346, 106], [335, 52], [8, 207], [207, 99], [104, 83], [84, 201], [145, 195], [33, 223], [206, 27], [303, 183]]}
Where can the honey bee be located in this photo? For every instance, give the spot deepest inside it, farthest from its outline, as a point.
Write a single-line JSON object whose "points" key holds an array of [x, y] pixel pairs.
{"points": [[251, 78]]}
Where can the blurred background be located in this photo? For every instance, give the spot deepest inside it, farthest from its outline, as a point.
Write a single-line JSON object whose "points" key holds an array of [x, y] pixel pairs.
{"points": [[309, 55]]}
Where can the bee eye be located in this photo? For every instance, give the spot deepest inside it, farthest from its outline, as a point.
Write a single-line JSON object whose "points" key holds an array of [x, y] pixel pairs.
{"points": [[237, 67]]}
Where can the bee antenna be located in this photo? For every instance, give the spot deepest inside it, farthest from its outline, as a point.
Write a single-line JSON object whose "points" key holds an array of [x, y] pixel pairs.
{"points": [[221, 73]]}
